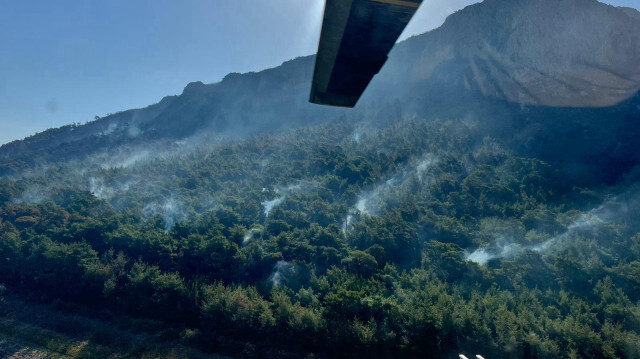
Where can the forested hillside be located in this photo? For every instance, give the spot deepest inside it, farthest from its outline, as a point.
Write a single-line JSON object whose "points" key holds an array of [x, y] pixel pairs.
{"points": [[415, 239], [444, 215]]}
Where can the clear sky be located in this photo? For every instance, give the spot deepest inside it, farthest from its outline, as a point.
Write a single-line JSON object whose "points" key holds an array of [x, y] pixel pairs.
{"points": [[66, 61]]}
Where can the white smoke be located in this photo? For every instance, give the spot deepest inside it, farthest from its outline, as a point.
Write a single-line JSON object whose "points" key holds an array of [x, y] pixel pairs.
{"points": [[106, 192], [133, 130], [360, 132], [372, 202], [172, 211], [584, 222], [124, 162], [263, 164], [111, 129], [282, 193], [97, 187], [281, 270], [589, 221], [294, 188], [249, 235], [270, 205], [484, 255], [423, 166], [347, 225], [34, 194]]}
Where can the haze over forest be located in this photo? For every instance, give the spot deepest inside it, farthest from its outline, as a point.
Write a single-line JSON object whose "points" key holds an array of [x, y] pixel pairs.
{"points": [[68, 62], [480, 199]]}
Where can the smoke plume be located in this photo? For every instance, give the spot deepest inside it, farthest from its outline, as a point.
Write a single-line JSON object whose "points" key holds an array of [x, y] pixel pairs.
{"points": [[281, 271], [616, 210], [172, 211], [372, 202], [282, 193]]}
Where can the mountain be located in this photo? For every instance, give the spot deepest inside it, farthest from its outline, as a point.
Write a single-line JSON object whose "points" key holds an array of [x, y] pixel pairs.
{"points": [[568, 53], [459, 209], [509, 64]]}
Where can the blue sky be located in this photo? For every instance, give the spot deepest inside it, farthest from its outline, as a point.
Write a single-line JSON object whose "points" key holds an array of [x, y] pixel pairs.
{"points": [[67, 61]]}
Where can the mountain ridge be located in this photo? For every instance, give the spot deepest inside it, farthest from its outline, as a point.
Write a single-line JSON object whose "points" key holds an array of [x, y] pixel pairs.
{"points": [[481, 58], [438, 219], [511, 50]]}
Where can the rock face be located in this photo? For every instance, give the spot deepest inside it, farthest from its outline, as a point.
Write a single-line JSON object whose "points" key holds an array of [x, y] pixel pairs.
{"points": [[490, 60], [559, 53]]}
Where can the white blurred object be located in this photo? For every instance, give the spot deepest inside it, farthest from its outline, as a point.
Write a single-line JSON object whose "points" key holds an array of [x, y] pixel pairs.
{"points": [[463, 357], [479, 356]]}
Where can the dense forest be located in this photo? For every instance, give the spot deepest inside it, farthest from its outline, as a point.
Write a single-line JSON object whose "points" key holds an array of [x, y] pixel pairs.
{"points": [[411, 239]]}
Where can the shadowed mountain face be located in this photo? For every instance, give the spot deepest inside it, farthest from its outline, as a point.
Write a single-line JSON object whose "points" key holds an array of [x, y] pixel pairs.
{"points": [[548, 77], [566, 53]]}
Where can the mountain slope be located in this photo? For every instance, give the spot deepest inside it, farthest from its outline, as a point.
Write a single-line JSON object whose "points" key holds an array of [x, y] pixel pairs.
{"points": [[568, 53], [536, 53], [433, 220]]}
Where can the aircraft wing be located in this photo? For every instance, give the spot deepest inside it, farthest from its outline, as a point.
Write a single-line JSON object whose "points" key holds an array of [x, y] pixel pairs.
{"points": [[357, 36]]}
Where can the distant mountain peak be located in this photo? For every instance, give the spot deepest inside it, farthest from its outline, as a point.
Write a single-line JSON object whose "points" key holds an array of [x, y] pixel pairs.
{"points": [[193, 87], [560, 53]]}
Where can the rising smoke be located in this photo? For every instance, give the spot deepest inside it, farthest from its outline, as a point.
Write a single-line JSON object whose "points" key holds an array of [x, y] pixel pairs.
{"points": [[283, 192], [484, 255], [126, 161], [106, 192], [281, 271], [612, 211], [372, 202], [270, 205], [171, 210], [111, 129], [34, 194], [250, 234]]}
